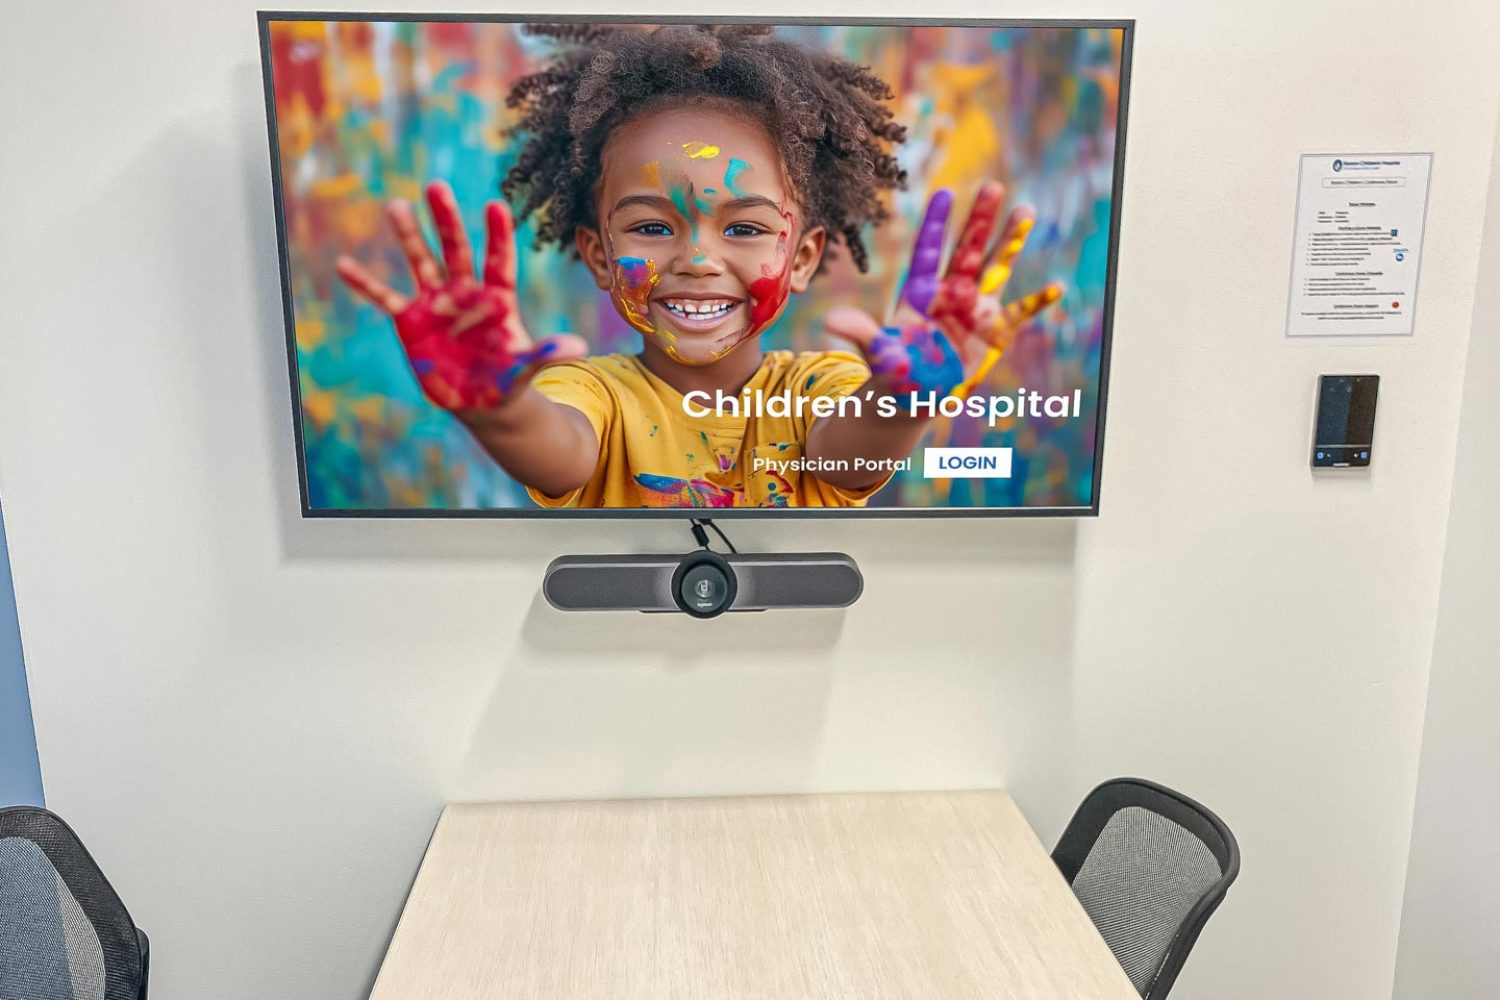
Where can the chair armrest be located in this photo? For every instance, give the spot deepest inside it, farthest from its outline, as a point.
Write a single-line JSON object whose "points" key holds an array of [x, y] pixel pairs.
{"points": [[145, 947]]}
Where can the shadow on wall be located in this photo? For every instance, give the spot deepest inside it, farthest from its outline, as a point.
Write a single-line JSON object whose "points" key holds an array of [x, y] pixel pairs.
{"points": [[20, 771], [881, 695]]}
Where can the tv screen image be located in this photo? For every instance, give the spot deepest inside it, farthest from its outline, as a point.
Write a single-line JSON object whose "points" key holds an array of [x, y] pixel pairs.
{"points": [[610, 268]]}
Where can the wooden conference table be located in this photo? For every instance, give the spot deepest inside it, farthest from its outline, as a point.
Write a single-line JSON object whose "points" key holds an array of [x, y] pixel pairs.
{"points": [[916, 896]]}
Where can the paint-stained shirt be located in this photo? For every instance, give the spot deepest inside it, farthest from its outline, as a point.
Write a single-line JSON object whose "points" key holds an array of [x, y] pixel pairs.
{"points": [[653, 453]]}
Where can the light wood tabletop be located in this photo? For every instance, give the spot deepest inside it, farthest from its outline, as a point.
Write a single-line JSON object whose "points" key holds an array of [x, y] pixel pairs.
{"points": [[906, 896]]}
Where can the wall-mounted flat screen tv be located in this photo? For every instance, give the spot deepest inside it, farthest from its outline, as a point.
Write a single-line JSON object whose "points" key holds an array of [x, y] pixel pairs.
{"points": [[611, 268]]}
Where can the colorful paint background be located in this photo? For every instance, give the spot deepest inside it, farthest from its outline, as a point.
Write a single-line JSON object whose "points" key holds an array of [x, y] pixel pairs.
{"points": [[369, 111]]}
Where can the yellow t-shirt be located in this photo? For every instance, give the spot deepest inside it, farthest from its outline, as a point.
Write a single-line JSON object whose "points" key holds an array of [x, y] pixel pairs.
{"points": [[654, 454]]}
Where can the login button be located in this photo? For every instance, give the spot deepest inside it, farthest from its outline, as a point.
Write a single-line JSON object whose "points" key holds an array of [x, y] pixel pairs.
{"points": [[966, 463]]}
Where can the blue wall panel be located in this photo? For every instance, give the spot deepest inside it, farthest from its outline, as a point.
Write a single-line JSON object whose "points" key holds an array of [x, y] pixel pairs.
{"points": [[20, 772]]}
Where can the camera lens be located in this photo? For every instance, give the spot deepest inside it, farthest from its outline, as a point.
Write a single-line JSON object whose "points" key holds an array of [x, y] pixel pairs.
{"points": [[704, 585]]}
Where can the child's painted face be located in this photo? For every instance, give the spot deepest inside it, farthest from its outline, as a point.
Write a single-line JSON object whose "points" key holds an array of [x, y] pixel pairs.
{"points": [[701, 239]]}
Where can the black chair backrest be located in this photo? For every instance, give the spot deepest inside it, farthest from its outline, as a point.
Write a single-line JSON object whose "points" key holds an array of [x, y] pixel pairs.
{"points": [[64, 934], [1149, 865]]}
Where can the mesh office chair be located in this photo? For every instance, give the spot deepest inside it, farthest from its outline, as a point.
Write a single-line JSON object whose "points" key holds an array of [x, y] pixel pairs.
{"points": [[64, 934], [1149, 865]]}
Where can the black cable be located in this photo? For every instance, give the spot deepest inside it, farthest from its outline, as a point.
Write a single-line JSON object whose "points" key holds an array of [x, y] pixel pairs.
{"points": [[699, 523], [722, 537]]}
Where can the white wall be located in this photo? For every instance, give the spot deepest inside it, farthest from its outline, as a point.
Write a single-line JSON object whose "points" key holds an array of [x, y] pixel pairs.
{"points": [[253, 720], [1449, 947]]}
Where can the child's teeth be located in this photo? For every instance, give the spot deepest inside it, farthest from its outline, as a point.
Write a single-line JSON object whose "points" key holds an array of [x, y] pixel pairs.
{"points": [[695, 309]]}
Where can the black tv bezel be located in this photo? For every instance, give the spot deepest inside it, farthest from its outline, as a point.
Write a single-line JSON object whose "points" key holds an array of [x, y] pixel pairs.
{"points": [[1125, 26]]}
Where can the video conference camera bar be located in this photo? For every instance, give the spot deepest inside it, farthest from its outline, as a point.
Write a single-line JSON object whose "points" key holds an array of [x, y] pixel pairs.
{"points": [[703, 583]]}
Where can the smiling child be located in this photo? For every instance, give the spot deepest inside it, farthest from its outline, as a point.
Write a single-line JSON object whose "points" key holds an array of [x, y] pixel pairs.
{"points": [[700, 173]]}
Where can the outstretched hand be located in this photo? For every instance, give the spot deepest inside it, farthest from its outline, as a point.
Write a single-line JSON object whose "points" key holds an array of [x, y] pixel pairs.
{"points": [[463, 337], [950, 326]]}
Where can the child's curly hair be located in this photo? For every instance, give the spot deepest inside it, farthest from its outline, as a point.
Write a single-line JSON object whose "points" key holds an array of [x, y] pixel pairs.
{"points": [[826, 115]]}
